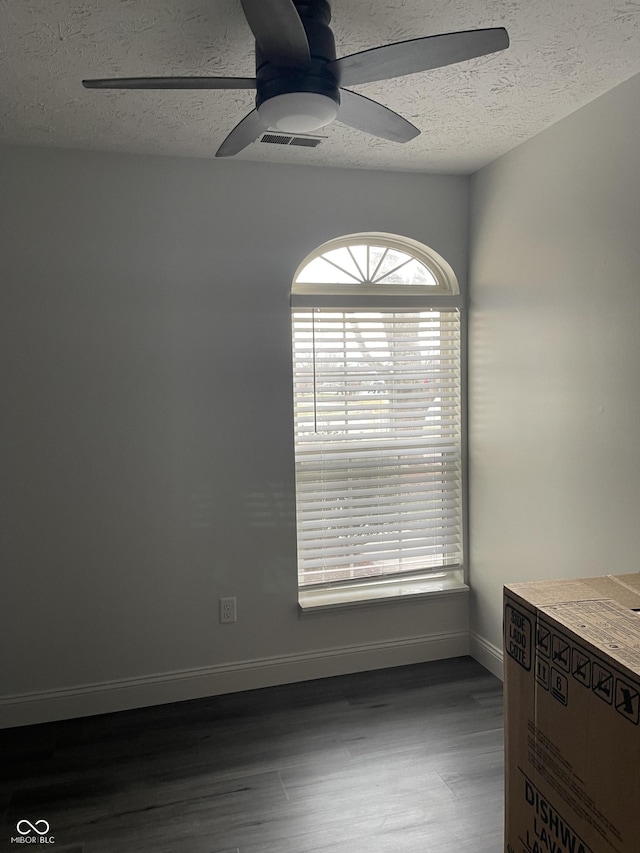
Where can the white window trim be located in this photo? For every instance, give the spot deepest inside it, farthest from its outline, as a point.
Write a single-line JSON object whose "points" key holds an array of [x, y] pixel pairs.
{"points": [[352, 298], [375, 591], [389, 589]]}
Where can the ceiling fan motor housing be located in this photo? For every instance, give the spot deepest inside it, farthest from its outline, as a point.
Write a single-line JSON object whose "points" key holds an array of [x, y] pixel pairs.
{"points": [[314, 78]]}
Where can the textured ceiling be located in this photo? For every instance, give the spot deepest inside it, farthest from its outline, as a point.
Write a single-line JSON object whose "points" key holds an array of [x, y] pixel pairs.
{"points": [[563, 54]]}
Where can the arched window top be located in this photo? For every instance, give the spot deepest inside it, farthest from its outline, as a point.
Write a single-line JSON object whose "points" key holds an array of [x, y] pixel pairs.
{"points": [[374, 264]]}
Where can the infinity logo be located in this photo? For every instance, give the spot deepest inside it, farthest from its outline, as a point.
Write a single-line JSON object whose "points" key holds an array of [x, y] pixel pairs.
{"points": [[32, 827]]}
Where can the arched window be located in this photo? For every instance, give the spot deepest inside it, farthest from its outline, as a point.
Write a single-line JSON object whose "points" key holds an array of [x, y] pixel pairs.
{"points": [[379, 263], [376, 368]]}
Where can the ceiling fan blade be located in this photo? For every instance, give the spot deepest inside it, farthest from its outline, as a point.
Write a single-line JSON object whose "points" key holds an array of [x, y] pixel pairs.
{"points": [[278, 31], [172, 83], [409, 57], [372, 117], [243, 134]]}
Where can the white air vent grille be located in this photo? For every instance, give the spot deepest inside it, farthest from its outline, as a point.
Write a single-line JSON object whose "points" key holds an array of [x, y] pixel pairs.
{"points": [[287, 139]]}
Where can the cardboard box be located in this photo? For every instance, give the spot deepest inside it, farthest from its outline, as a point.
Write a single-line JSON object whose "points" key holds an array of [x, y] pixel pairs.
{"points": [[572, 716]]}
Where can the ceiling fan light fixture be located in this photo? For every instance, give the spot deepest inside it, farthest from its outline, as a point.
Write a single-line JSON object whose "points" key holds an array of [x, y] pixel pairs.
{"points": [[298, 112]]}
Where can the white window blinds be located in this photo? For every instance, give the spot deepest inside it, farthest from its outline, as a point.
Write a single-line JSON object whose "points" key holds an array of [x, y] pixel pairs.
{"points": [[377, 442]]}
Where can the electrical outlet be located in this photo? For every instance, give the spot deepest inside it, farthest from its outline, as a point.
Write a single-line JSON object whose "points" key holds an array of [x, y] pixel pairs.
{"points": [[228, 609]]}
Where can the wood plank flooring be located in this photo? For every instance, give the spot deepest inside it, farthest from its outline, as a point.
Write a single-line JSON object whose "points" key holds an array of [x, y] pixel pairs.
{"points": [[406, 760]]}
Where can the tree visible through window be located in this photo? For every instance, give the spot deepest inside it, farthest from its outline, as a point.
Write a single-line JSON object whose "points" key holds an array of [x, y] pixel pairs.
{"points": [[376, 363]]}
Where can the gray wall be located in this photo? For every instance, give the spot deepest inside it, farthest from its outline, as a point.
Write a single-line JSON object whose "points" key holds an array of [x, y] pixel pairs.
{"points": [[147, 458], [555, 352]]}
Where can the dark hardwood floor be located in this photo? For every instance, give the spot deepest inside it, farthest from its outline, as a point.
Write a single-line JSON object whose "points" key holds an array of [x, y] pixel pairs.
{"points": [[405, 760]]}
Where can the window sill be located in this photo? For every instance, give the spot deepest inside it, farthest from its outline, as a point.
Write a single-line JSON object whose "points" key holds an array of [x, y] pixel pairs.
{"points": [[387, 591]]}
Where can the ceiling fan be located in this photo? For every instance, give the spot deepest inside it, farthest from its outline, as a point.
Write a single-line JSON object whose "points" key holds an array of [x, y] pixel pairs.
{"points": [[300, 83]]}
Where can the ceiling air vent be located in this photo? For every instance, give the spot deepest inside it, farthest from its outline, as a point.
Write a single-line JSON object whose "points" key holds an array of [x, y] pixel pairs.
{"points": [[305, 141], [287, 139]]}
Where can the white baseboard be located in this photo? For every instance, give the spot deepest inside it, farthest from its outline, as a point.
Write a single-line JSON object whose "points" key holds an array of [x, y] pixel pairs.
{"points": [[487, 654], [125, 694]]}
